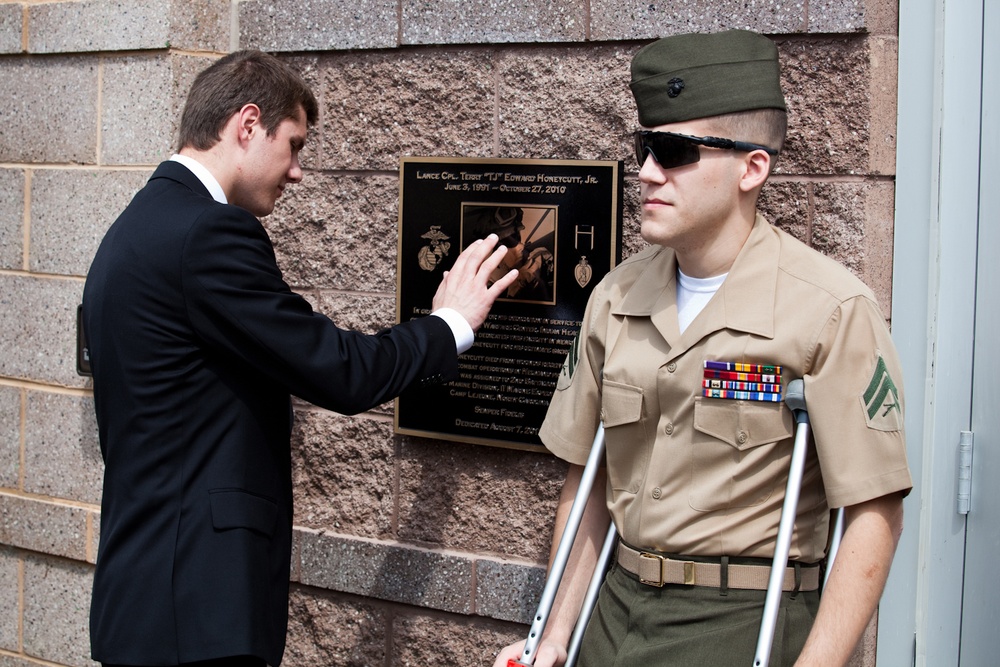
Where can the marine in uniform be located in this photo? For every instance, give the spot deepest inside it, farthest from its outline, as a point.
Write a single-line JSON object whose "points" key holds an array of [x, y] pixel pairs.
{"points": [[684, 352]]}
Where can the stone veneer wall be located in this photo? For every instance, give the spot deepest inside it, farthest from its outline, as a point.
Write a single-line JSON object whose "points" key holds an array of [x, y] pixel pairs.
{"points": [[408, 551]]}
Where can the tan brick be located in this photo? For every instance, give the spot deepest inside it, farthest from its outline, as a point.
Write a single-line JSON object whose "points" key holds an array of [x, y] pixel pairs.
{"points": [[70, 212], [508, 590], [839, 227], [12, 219], [884, 64], [10, 599], [11, 22], [827, 86], [62, 453], [43, 526], [478, 499], [864, 653], [10, 437], [378, 107], [128, 25], [328, 629], [632, 241], [366, 313], [880, 242], [343, 474], [881, 18], [359, 312], [837, 15], [13, 661], [32, 127], [318, 25], [567, 103], [39, 326], [786, 204], [493, 21], [56, 610], [143, 97], [387, 571], [641, 19], [853, 224], [308, 68], [423, 640], [337, 232], [94, 524]]}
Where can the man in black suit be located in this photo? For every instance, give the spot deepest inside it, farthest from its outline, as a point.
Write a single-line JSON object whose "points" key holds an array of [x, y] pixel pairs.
{"points": [[196, 346]]}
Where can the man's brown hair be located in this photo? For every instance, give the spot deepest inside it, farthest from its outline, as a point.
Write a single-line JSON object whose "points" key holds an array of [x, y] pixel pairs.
{"points": [[238, 79], [766, 127]]}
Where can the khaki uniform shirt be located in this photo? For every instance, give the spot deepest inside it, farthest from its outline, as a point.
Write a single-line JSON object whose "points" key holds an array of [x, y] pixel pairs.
{"points": [[701, 476]]}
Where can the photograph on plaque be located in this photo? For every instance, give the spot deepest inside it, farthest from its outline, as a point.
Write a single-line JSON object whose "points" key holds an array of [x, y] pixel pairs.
{"points": [[561, 223], [529, 234]]}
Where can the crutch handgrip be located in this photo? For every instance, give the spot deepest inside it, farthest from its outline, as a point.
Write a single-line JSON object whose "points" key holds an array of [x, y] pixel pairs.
{"points": [[527, 657], [795, 399]]}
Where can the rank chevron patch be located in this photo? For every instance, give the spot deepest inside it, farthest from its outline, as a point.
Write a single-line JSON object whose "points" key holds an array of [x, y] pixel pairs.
{"points": [[569, 366], [881, 400]]}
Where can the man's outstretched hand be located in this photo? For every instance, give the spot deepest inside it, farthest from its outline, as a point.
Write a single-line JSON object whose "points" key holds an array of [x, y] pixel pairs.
{"points": [[466, 289]]}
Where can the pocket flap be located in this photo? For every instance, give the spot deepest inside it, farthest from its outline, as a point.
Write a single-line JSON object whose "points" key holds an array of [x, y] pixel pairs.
{"points": [[620, 403], [234, 508], [743, 425]]}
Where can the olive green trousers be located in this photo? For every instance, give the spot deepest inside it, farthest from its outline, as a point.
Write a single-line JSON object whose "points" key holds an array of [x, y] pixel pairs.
{"points": [[689, 626]]}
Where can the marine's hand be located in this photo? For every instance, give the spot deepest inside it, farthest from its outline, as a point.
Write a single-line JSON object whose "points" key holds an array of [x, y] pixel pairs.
{"points": [[547, 655], [466, 289]]}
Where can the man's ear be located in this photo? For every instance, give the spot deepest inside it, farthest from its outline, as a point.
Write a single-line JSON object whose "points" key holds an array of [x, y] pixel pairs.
{"points": [[757, 167], [248, 121]]}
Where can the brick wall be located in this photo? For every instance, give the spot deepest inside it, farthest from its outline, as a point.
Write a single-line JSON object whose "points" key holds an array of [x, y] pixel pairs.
{"points": [[408, 551]]}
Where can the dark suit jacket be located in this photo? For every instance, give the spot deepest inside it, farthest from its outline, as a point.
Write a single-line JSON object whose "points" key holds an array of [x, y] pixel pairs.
{"points": [[196, 345]]}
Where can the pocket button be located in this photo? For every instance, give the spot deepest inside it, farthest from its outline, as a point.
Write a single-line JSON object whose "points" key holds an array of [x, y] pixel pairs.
{"points": [[742, 437]]}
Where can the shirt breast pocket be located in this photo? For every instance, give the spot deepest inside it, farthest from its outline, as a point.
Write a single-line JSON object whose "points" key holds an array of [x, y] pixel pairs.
{"points": [[740, 453], [626, 446]]}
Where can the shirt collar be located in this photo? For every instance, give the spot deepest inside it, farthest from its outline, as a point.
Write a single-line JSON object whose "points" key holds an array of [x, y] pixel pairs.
{"points": [[204, 175], [744, 302]]}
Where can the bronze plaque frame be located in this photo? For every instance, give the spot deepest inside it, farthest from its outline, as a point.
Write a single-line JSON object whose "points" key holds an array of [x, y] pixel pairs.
{"points": [[562, 220]]}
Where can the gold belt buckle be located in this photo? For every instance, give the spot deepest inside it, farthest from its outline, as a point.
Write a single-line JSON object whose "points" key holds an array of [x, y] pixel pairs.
{"points": [[651, 582]]}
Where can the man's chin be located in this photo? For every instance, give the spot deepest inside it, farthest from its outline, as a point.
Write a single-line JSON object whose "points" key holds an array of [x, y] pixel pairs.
{"points": [[653, 232]]}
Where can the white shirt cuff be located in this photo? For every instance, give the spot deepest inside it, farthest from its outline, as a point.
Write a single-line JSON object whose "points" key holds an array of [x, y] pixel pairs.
{"points": [[464, 336]]}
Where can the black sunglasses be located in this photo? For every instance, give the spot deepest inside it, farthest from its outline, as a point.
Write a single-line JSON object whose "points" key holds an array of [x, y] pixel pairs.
{"points": [[670, 149]]}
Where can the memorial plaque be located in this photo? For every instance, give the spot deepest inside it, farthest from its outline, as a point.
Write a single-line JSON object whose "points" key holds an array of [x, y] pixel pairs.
{"points": [[561, 221]]}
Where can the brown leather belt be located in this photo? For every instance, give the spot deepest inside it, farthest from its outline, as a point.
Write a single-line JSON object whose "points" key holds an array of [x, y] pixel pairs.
{"points": [[656, 570]]}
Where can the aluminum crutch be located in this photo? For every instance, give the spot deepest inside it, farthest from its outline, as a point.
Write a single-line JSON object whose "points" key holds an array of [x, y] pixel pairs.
{"points": [[795, 399], [541, 617], [590, 601], [838, 532]]}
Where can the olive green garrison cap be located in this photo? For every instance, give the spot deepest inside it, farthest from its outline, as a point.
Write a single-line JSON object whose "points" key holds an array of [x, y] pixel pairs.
{"points": [[684, 77]]}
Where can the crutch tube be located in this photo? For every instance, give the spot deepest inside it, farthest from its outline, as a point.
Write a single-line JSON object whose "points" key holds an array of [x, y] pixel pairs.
{"points": [[838, 533], [541, 617], [590, 601], [795, 399]]}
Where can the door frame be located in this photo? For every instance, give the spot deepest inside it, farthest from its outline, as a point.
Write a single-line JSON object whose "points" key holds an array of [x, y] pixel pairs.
{"points": [[934, 264]]}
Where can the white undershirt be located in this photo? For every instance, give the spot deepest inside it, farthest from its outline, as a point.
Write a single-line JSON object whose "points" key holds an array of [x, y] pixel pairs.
{"points": [[693, 294]]}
